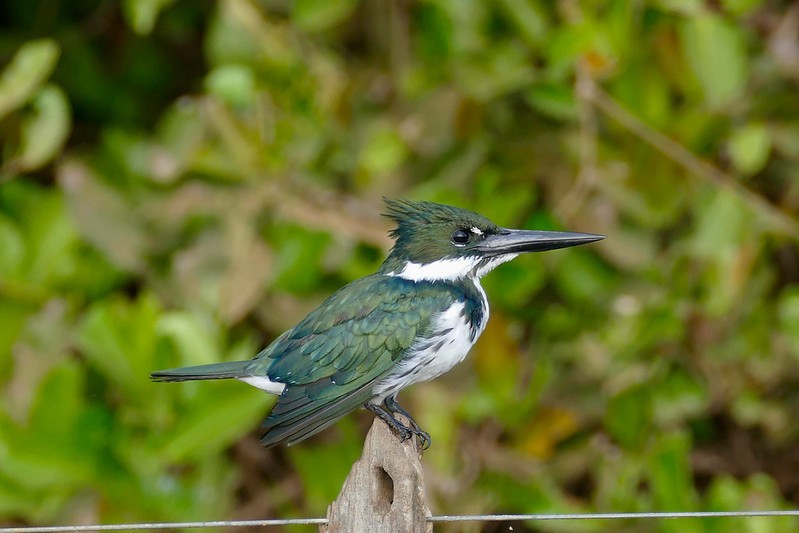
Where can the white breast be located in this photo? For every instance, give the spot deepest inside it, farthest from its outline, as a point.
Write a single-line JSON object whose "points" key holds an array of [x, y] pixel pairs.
{"points": [[446, 347]]}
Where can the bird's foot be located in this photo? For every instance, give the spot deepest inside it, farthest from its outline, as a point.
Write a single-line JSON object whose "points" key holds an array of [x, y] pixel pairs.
{"points": [[424, 437], [402, 431]]}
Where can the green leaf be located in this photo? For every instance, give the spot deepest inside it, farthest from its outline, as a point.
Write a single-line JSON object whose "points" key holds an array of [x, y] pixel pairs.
{"points": [[230, 41], [788, 314], [530, 18], [383, 152], [13, 247], [13, 317], [299, 254], [741, 7], [44, 131], [31, 65], [670, 475], [722, 225], [496, 71], [143, 14], [323, 469], [517, 284], [197, 340], [223, 413], [18, 501], [581, 276], [684, 7], [119, 339], [678, 397], [749, 148], [49, 453], [554, 100], [716, 54], [628, 417], [234, 84], [316, 16], [49, 235], [58, 403]]}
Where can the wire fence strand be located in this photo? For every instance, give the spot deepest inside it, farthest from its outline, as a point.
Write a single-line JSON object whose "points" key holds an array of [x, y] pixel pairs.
{"points": [[165, 525], [610, 516], [444, 518]]}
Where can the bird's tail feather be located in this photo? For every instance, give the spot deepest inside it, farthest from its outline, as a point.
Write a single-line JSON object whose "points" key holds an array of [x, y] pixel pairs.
{"points": [[232, 369]]}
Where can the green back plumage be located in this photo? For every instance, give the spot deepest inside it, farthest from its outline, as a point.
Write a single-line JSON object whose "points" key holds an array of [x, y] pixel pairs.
{"points": [[332, 358]]}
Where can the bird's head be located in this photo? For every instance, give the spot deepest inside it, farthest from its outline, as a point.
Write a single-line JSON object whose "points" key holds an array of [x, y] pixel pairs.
{"points": [[441, 242]]}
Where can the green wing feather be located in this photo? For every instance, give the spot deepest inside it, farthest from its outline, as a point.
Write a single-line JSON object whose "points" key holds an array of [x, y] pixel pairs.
{"points": [[331, 360]]}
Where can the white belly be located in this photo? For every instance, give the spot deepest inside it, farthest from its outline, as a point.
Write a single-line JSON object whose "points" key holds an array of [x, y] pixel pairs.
{"points": [[433, 356]]}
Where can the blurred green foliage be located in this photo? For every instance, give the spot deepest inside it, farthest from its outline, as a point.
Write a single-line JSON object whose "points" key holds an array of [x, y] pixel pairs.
{"points": [[181, 181]]}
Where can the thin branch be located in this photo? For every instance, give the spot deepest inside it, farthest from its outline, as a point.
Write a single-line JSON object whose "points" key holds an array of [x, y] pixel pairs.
{"points": [[689, 161], [587, 145]]}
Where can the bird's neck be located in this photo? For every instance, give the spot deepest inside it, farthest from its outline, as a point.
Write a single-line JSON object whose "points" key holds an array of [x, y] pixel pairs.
{"points": [[440, 270], [447, 269]]}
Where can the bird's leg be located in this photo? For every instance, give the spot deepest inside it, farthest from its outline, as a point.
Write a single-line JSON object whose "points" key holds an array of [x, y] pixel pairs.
{"points": [[403, 432], [393, 407]]}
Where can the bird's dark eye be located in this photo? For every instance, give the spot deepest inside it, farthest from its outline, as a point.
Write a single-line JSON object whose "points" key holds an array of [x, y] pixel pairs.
{"points": [[461, 236]]}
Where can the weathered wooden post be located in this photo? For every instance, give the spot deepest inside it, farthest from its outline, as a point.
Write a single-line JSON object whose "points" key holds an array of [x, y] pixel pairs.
{"points": [[384, 492]]}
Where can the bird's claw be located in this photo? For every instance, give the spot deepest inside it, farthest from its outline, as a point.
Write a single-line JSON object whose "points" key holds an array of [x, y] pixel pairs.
{"points": [[402, 431], [424, 438], [422, 435]]}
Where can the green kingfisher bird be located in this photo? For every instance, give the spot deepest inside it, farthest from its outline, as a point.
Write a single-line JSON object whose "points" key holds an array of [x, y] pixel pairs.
{"points": [[410, 322]]}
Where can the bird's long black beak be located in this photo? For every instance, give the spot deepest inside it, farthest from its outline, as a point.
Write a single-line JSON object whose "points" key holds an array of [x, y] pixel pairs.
{"points": [[516, 241]]}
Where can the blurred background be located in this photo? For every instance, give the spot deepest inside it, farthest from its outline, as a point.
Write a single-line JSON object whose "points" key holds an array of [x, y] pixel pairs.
{"points": [[180, 181]]}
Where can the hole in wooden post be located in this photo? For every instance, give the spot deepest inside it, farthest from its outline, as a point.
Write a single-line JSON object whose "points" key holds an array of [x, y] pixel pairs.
{"points": [[385, 487]]}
